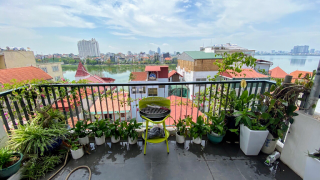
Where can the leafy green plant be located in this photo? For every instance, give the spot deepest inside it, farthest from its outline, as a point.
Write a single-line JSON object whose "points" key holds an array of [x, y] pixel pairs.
{"points": [[315, 155], [181, 126], [5, 157], [198, 128], [248, 119], [115, 129], [32, 138], [129, 129], [81, 129], [98, 127], [216, 123], [74, 143]]}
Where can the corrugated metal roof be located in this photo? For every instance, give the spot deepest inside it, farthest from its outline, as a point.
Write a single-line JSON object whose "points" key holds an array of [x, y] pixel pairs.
{"points": [[202, 55]]}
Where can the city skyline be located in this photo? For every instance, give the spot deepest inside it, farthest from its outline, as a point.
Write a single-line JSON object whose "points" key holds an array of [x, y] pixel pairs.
{"points": [[120, 26]]}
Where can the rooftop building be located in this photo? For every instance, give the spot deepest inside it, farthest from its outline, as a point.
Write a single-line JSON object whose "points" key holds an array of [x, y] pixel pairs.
{"points": [[226, 48], [88, 48], [277, 72]]}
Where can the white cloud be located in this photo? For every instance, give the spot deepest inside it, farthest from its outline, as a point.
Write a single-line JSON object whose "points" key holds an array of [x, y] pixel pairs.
{"points": [[131, 38], [198, 4], [69, 39], [121, 34], [187, 6], [154, 44], [165, 44]]}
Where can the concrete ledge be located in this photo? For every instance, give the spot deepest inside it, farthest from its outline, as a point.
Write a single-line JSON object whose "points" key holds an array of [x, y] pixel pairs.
{"points": [[303, 136]]}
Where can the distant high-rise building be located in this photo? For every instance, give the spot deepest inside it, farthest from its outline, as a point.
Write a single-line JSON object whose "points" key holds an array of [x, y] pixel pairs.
{"points": [[174, 53], [312, 50], [158, 50], [151, 53], [273, 51], [300, 49], [88, 48], [129, 53]]}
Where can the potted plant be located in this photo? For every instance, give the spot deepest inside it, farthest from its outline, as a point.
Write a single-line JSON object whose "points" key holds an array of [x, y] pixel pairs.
{"points": [[217, 127], [252, 133], [76, 148], [181, 129], [9, 162], [82, 133], [312, 167], [198, 129], [114, 130], [130, 130], [98, 128]]}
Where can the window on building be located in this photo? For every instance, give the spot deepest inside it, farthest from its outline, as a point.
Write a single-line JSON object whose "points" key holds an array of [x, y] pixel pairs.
{"points": [[161, 86], [153, 92], [108, 116], [201, 79], [55, 68], [44, 69], [136, 90], [57, 78], [122, 114]]}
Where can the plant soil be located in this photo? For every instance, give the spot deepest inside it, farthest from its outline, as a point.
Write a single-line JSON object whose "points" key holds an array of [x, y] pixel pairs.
{"points": [[14, 159]]}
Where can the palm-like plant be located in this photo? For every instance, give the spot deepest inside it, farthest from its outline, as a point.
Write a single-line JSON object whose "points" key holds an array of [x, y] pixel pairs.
{"points": [[216, 123], [198, 128]]}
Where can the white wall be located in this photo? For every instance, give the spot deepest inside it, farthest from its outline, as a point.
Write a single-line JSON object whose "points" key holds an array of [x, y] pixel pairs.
{"points": [[3, 135], [303, 137]]}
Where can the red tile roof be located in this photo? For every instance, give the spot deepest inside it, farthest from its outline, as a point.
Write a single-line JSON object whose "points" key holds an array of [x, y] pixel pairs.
{"points": [[167, 58], [139, 76], [295, 74], [181, 107], [154, 68], [173, 72], [277, 72], [246, 73], [22, 74], [81, 71]]}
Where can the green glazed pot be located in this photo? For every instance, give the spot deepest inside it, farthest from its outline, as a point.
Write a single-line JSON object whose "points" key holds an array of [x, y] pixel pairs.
{"points": [[214, 138], [9, 171]]}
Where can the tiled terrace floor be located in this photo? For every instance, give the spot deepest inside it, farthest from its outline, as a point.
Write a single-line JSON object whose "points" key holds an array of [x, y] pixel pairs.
{"points": [[189, 161]]}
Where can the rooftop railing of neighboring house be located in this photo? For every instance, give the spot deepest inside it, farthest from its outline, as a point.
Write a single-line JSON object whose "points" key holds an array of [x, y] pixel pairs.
{"points": [[83, 101]]}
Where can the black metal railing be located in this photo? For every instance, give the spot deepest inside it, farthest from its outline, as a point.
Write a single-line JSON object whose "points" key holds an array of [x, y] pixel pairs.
{"points": [[120, 101]]}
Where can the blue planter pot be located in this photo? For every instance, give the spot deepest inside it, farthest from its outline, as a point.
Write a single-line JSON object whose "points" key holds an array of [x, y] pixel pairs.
{"points": [[9, 171], [214, 139]]}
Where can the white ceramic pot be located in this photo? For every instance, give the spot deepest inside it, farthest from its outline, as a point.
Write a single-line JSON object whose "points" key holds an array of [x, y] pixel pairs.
{"points": [[269, 145], [84, 141], [312, 169], [251, 141], [100, 140], [77, 153], [132, 141], [180, 139], [114, 140], [197, 140]]}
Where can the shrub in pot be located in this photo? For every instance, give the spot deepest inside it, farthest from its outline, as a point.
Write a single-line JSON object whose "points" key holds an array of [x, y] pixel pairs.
{"points": [[181, 129], [98, 128], [129, 130], [276, 114], [198, 129], [217, 127], [312, 167], [115, 130], [9, 162], [252, 133], [82, 133]]}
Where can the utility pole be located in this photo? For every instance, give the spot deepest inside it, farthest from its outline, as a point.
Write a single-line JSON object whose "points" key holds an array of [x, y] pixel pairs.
{"points": [[314, 94]]}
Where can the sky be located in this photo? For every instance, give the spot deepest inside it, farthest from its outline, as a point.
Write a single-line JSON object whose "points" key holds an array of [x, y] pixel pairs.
{"points": [[55, 26]]}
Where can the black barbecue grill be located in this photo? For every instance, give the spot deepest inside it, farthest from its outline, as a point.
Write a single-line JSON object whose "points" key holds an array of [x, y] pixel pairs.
{"points": [[155, 113]]}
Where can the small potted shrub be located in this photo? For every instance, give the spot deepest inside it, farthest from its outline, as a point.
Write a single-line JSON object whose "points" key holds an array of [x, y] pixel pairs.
{"points": [[9, 162], [198, 129], [75, 148], [181, 129], [114, 130], [217, 126], [252, 133], [312, 167], [81, 132], [98, 128], [130, 130]]}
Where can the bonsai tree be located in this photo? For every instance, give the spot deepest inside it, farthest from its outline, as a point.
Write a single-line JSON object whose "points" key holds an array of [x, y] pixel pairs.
{"points": [[98, 127], [181, 126], [130, 128], [198, 128], [216, 123]]}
